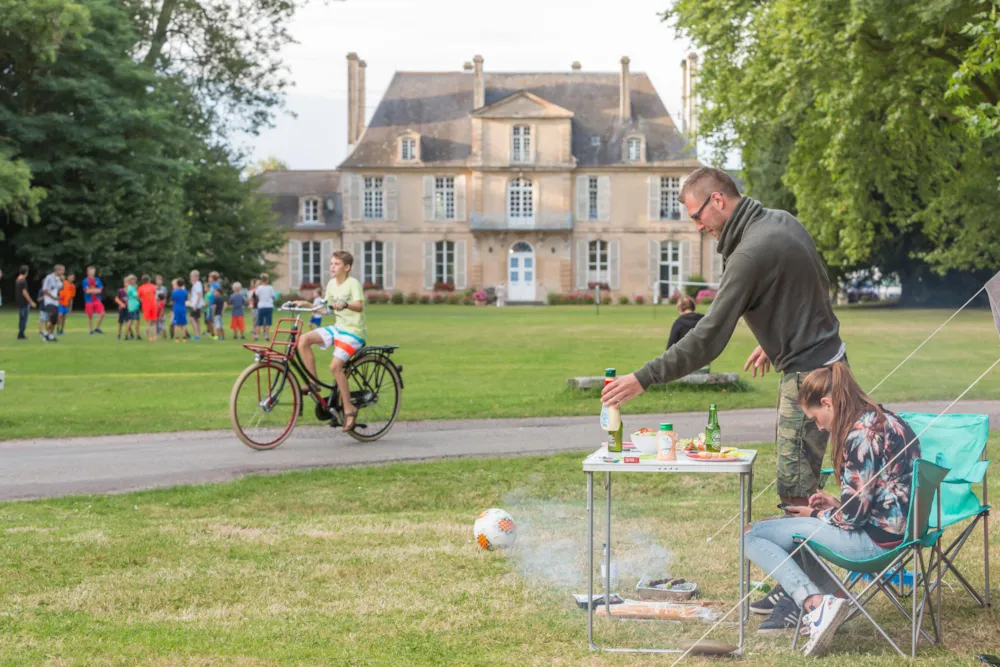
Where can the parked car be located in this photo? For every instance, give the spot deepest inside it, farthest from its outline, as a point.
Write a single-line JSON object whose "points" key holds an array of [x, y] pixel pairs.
{"points": [[861, 291]]}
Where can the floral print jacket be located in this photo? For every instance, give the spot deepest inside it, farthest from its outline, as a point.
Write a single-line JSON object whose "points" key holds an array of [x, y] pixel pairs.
{"points": [[882, 506]]}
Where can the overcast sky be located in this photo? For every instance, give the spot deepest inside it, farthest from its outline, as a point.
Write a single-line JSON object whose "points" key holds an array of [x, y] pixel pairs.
{"points": [[440, 35]]}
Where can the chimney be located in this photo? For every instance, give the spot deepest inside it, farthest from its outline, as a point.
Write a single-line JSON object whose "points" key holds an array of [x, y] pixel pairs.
{"points": [[625, 92], [478, 85], [362, 65], [689, 107], [575, 66], [352, 99]]}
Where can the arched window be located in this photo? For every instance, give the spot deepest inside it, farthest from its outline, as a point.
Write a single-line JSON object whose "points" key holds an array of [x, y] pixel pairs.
{"points": [[521, 202]]}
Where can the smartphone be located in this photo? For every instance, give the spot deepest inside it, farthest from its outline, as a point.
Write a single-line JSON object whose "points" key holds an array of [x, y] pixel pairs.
{"points": [[989, 659], [784, 506]]}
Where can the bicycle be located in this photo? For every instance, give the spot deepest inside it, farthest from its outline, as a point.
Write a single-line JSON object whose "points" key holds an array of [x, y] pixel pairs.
{"points": [[266, 400]]}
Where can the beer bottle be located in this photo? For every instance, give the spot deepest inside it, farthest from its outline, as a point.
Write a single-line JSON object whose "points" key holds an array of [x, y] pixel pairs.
{"points": [[713, 434]]}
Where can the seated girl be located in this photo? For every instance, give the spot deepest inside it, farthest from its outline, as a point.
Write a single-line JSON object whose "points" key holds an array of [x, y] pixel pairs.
{"points": [[863, 438]]}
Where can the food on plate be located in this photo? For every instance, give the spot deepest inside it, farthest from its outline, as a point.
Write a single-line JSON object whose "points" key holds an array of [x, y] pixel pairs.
{"points": [[726, 453], [696, 444]]}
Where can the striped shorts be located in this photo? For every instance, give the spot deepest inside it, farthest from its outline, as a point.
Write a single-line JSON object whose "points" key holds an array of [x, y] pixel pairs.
{"points": [[344, 344]]}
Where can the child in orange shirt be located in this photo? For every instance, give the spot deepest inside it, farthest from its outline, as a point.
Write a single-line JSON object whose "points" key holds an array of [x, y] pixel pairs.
{"points": [[147, 301], [66, 295]]}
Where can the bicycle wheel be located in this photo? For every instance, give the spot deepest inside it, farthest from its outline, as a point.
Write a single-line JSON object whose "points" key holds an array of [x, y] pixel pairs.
{"points": [[264, 405], [375, 393]]}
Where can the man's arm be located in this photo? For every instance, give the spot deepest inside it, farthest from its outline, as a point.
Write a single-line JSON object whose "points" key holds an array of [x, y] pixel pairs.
{"points": [[24, 291]]}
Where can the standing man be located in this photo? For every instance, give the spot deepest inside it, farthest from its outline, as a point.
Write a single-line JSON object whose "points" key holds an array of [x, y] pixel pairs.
{"points": [[23, 301], [196, 301], [50, 301], [775, 281], [92, 289]]}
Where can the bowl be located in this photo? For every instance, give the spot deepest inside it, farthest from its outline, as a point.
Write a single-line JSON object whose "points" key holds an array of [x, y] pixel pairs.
{"points": [[645, 442]]}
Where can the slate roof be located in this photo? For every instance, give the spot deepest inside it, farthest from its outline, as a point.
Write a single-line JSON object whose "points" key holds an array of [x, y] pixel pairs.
{"points": [[437, 105], [286, 186]]}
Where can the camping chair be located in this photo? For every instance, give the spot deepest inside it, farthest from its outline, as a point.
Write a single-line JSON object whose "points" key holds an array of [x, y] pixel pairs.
{"points": [[958, 442], [927, 478]]}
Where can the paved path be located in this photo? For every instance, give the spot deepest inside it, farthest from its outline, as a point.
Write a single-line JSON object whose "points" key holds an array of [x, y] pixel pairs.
{"points": [[113, 464]]}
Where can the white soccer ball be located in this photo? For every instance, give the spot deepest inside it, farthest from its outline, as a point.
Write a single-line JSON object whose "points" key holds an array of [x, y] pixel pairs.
{"points": [[494, 529]]}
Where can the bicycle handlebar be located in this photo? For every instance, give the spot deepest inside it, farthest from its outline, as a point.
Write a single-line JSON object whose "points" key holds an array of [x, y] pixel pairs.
{"points": [[290, 307]]}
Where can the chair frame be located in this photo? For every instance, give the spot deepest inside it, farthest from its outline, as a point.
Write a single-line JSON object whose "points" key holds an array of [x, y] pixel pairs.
{"points": [[881, 583]]}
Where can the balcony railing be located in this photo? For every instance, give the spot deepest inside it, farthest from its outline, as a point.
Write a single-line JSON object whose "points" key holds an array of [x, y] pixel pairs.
{"points": [[542, 221]]}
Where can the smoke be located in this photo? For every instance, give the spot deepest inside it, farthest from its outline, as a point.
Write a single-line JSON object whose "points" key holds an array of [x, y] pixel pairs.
{"points": [[551, 548]]}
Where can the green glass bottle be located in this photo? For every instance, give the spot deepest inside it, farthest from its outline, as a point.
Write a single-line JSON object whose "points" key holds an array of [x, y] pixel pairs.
{"points": [[713, 434]]}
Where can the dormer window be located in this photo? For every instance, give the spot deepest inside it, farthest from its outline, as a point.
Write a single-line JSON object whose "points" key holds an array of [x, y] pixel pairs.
{"points": [[520, 147], [407, 149], [310, 210], [634, 149]]}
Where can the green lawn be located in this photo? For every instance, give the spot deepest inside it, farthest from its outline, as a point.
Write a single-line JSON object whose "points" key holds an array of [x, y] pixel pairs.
{"points": [[376, 566], [460, 362]]}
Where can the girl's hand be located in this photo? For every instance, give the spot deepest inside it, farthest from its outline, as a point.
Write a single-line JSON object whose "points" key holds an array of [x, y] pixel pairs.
{"points": [[798, 510], [822, 501]]}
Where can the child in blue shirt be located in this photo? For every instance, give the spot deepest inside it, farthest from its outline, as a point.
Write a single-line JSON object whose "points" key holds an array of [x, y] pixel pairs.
{"points": [[179, 297]]}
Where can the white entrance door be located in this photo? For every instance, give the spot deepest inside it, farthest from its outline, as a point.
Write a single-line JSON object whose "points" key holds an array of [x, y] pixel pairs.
{"points": [[521, 272]]}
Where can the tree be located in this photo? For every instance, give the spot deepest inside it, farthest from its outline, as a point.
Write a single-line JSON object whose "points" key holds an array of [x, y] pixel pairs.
{"points": [[228, 51], [270, 163], [844, 105], [979, 65]]}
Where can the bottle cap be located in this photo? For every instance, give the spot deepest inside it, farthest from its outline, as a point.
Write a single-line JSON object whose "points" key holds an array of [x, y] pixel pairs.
{"points": [[667, 427], [609, 372]]}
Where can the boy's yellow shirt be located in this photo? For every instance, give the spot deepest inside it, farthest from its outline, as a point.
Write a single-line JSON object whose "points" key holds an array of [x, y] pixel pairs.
{"points": [[348, 320]]}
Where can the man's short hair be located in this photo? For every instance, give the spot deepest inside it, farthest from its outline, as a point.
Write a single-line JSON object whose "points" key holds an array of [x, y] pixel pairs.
{"points": [[345, 257], [24, 269], [144, 279], [706, 180], [180, 282], [57, 267]]}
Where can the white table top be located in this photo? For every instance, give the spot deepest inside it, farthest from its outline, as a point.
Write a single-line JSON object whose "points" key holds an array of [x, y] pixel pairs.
{"points": [[649, 463]]}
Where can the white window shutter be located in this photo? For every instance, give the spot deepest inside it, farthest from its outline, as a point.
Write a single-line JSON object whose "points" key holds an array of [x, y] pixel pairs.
{"points": [[353, 187], [654, 264], [389, 265], [536, 198], [506, 199], [460, 265], [294, 265], [324, 259], [358, 270], [685, 260], [614, 265], [428, 265], [604, 198], [581, 264], [680, 203], [582, 197], [460, 198], [533, 144], [391, 194], [654, 197], [428, 197]]}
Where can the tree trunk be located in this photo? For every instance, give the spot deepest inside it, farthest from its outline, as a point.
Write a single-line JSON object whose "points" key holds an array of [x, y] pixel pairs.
{"points": [[159, 37]]}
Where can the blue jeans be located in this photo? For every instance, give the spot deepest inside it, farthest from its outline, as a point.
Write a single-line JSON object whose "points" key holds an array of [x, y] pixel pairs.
{"points": [[22, 320], [769, 542]]}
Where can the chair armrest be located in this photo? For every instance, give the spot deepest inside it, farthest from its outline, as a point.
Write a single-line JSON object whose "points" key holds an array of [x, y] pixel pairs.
{"points": [[973, 475]]}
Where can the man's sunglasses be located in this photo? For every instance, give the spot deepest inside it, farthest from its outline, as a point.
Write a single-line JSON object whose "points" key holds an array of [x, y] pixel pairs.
{"points": [[696, 216]]}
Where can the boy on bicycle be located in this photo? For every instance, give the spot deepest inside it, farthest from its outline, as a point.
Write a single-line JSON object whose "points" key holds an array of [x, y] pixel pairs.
{"points": [[347, 301]]}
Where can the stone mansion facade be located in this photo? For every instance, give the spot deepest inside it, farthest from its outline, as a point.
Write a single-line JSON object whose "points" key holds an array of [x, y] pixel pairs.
{"points": [[542, 182]]}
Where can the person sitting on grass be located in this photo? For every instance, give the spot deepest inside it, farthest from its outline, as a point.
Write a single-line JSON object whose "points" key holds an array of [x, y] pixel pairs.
{"points": [[864, 437], [686, 321], [178, 325], [347, 300]]}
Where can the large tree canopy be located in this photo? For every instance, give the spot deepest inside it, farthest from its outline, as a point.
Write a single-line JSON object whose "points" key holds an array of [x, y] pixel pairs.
{"points": [[841, 111]]}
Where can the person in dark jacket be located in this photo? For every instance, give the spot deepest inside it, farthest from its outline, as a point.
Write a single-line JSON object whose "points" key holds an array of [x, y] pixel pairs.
{"points": [[687, 320]]}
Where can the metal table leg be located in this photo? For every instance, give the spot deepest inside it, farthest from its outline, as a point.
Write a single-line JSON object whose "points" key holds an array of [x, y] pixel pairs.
{"points": [[590, 561], [742, 568], [607, 541]]}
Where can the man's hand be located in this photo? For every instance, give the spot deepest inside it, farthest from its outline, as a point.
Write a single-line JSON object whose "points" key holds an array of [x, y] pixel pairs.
{"points": [[621, 390], [758, 360]]}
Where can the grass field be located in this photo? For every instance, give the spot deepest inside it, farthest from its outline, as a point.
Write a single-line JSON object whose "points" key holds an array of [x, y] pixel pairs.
{"points": [[460, 362], [376, 565]]}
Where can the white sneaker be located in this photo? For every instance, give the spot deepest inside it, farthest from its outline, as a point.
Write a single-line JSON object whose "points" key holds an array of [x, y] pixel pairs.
{"points": [[823, 623]]}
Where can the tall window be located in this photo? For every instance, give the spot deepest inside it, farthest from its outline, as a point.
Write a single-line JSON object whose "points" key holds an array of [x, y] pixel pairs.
{"points": [[520, 149], [372, 261], [373, 198], [522, 202], [634, 149], [670, 269], [310, 210], [592, 197], [408, 148], [444, 262], [670, 206], [312, 268], [444, 198], [597, 262]]}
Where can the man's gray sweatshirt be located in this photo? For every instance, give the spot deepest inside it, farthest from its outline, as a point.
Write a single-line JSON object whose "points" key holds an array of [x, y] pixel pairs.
{"points": [[774, 279]]}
